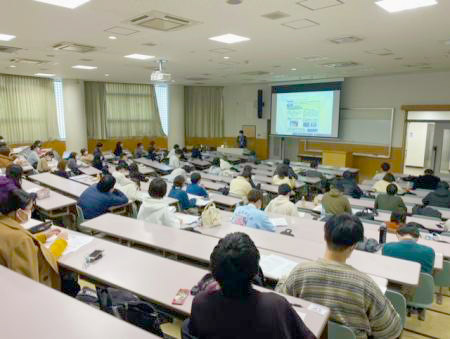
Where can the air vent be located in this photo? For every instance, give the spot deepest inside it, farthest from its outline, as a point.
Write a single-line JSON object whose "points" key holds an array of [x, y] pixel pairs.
{"points": [[149, 44], [315, 58], [300, 24], [222, 50], [73, 47], [341, 64], [28, 61], [162, 21], [345, 39], [196, 79], [315, 5], [420, 64], [275, 15], [9, 49], [380, 52], [255, 73]]}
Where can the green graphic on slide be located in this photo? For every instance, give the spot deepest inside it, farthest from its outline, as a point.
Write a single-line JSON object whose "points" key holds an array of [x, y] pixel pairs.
{"points": [[307, 113]]}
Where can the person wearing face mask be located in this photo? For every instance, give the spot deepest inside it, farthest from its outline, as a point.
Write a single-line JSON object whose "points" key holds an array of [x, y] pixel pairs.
{"points": [[22, 251]]}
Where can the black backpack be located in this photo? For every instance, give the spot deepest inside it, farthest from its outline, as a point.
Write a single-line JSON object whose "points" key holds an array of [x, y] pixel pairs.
{"points": [[426, 211], [367, 213], [126, 306]]}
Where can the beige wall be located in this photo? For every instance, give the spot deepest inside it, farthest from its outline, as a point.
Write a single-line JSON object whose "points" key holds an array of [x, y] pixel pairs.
{"points": [[74, 115], [176, 116]]}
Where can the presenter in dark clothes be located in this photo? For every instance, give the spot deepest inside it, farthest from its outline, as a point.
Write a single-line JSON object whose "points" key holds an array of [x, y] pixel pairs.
{"points": [[242, 140]]}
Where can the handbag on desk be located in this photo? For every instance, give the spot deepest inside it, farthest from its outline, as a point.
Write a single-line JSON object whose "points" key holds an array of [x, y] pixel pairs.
{"points": [[211, 216]]}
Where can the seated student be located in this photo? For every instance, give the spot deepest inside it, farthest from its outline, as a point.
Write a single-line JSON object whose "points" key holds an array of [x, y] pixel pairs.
{"points": [[407, 248], [397, 220], [292, 174], [282, 177], [43, 165], [154, 209], [381, 185], [196, 153], [195, 188], [173, 150], [428, 181], [183, 171], [33, 156], [389, 201], [215, 167], [127, 186], [440, 197], [237, 310], [14, 174], [86, 158], [135, 174], [97, 199], [23, 252], [61, 169], [174, 160], [72, 164], [313, 172], [139, 151], [98, 150], [353, 298], [385, 168], [251, 215], [281, 204], [334, 202], [178, 193], [123, 159], [151, 154], [119, 149], [97, 162], [4, 149], [241, 186], [348, 185]]}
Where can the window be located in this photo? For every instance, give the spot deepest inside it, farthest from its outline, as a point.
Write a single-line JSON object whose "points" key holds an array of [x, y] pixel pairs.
{"points": [[59, 97], [162, 97]]}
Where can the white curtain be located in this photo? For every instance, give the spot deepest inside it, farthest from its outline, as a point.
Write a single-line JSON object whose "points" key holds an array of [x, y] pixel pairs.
{"points": [[27, 109], [203, 111]]}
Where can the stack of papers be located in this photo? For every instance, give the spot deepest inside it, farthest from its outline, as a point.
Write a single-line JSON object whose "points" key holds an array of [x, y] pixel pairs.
{"points": [[76, 241], [276, 267], [200, 202], [188, 219], [281, 222]]}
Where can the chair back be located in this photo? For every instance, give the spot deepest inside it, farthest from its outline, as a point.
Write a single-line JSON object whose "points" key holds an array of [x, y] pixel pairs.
{"points": [[442, 278], [338, 331], [423, 296], [399, 302], [185, 334]]}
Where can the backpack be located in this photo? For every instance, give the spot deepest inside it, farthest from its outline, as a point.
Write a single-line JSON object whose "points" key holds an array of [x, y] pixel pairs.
{"points": [[211, 216], [426, 211], [367, 213], [127, 306], [368, 245]]}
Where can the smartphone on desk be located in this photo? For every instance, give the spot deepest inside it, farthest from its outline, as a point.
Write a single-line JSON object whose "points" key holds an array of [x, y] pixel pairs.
{"points": [[40, 228], [180, 297], [94, 256]]}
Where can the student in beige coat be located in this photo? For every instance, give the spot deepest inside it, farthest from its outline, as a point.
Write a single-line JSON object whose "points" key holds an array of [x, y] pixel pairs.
{"points": [[282, 204]]}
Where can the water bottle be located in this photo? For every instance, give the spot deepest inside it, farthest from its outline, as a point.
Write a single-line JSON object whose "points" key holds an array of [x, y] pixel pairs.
{"points": [[383, 233]]}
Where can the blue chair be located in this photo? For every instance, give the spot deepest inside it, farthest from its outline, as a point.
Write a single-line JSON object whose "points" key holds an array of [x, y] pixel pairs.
{"points": [[338, 331]]}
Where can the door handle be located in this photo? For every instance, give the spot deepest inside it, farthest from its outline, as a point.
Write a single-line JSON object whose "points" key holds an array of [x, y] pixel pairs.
{"points": [[435, 148]]}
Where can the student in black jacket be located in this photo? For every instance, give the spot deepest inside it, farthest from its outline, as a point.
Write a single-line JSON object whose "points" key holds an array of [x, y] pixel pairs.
{"points": [[349, 186], [440, 197], [428, 181], [118, 150]]}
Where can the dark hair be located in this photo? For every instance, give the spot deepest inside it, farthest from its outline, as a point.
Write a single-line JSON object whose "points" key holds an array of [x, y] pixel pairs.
{"points": [[391, 189], [283, 171], [195, 177], [122, 165], [176, 146], [83, 150], [398, 216], [106, 183], [99, 144], [16, 199], [62, 164], [133, 168], [216, 162], [247, 171], [286, 162], [385, 166], [284, 189], [254, 196], [443, 185], [342, 231], [50, 154], [179, 181], [234, 263], [157, 188], [411, 229], [178, 151], [73, 155], [139, 144], [15, 172], [123, 155], [241, 131], [33, 147], [314, 164], [118, 143], [429, 171], [389, 177]]}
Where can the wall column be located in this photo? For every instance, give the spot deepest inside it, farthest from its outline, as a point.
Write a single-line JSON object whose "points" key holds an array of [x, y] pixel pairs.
{"points": [[74, 115], [176, 116]]}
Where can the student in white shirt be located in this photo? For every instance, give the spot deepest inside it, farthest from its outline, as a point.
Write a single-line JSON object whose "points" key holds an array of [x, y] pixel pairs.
{"points": [[33, 157], [174, 160], [173, 150], [381, 185], [155, 210], [127, 186], [282, 204]]}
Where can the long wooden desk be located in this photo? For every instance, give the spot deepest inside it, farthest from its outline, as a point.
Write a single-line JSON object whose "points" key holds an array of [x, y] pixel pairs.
{"points": [[66, 186], [158, 279], [36, 311], [161, 168], [395, 270], [216, 178]]}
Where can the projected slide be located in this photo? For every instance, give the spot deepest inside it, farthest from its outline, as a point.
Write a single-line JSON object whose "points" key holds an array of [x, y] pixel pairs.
{"points": [[305, 113]]}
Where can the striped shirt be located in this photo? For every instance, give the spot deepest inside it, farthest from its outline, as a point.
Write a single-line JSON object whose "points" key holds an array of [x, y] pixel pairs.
{"points": [[353, 297]]}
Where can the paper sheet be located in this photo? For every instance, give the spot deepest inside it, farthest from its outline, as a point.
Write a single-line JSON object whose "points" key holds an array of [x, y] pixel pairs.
{"points": [[187, 219], [275, 266], [279, 222], [199, 201], [75, 242]]}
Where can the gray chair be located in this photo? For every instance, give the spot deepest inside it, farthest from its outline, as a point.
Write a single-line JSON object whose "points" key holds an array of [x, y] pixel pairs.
{"points": [[399, 302], [423, 296], [442, 280], [338, 331]]}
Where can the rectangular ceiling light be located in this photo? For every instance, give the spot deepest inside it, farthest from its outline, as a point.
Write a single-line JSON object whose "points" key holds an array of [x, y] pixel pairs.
{"points": [[393, 6], [65, 3], [229, 38], [84, 67], [6, 37], [139, 56], [45, 75]]}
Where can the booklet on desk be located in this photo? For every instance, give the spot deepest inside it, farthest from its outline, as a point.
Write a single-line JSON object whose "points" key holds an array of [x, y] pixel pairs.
{"points": [[75, 242], [275, 266], [279, 222]]}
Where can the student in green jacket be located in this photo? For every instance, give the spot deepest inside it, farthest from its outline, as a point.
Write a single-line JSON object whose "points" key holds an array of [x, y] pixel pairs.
{"points": [[389, 201]]}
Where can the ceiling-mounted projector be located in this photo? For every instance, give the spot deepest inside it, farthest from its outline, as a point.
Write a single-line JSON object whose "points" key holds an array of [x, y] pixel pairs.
{"points": [[159, 75]]}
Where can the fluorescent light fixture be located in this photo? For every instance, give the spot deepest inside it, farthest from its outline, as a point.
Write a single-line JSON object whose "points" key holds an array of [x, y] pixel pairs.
{"points": [[12, 66], [393, 6], [293, 69], [65, 3], [106, 75], [139, 56], [45, 75], [226, 57], [7, 37], [84, 67], [229, 38], [112, 37]]}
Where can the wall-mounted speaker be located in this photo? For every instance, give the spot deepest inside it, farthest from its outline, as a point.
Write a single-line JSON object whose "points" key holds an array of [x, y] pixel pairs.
{"points": [[260, 103]]}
